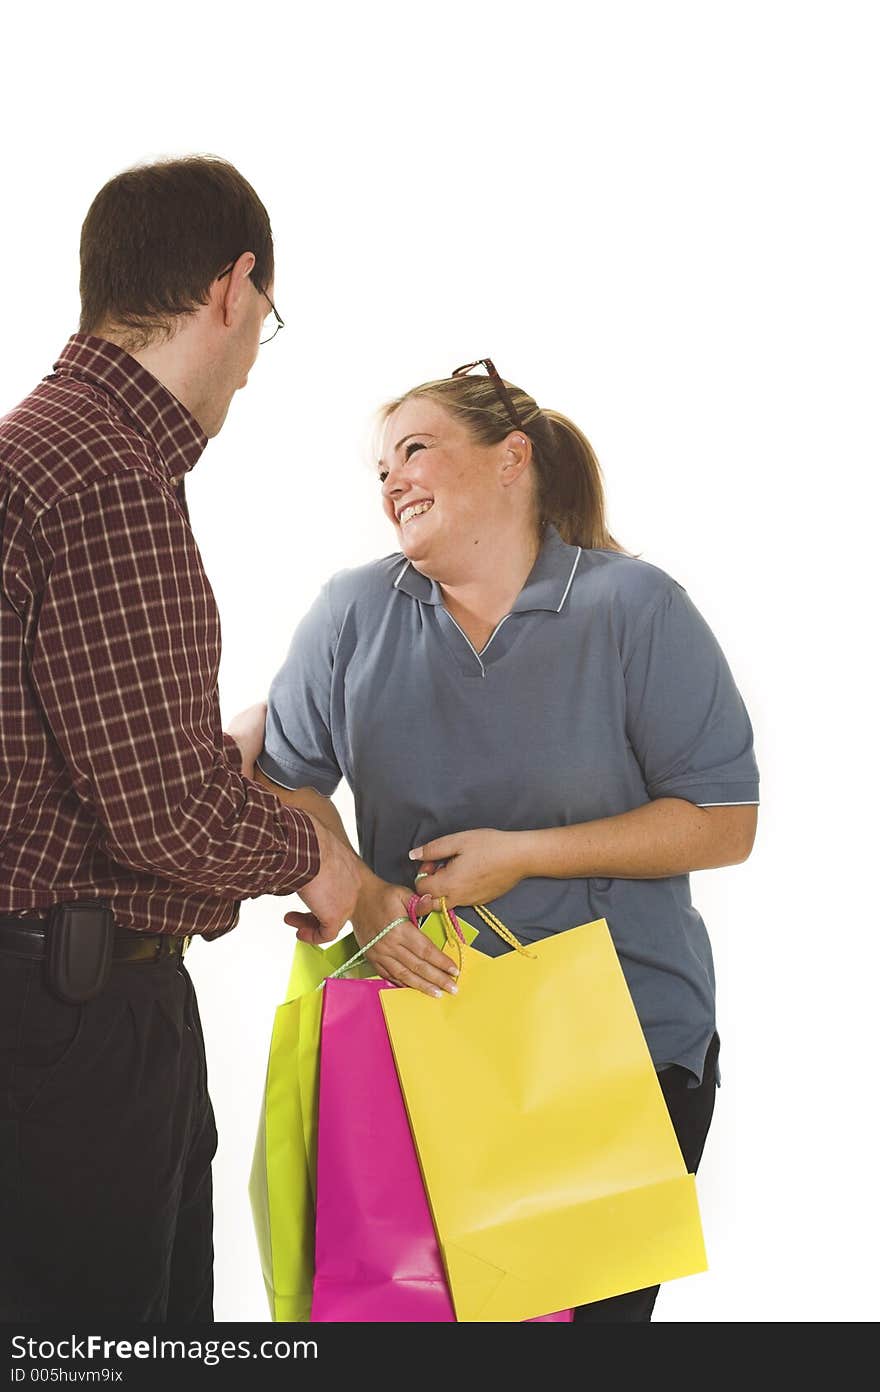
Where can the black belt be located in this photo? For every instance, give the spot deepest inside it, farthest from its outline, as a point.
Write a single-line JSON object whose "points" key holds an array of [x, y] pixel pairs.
{"points": [[26, 937]]}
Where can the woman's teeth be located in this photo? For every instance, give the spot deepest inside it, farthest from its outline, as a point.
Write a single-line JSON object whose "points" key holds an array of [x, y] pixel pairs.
{"points": [[414, 510]]}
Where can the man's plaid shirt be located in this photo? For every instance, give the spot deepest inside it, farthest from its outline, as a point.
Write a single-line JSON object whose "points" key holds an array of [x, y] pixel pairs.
{"points": [[116, 780]]}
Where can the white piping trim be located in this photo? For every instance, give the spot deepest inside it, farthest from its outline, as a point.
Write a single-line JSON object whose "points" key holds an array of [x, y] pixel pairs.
{"points": [[291, 787], [570, 578], [755, 803], [491, 636], [401, 573], [470, 644]]}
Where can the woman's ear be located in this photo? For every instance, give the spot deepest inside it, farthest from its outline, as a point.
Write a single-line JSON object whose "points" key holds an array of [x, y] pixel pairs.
{"points": [[516, 456]]}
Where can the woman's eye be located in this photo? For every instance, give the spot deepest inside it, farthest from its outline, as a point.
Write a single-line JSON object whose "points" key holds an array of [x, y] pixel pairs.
{"points": [[407, 453]]}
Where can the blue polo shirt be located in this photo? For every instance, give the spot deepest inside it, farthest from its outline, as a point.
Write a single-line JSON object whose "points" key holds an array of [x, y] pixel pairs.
{"points": [[602, 689]]}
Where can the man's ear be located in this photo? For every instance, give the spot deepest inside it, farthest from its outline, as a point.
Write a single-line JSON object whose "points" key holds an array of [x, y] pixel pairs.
{"points": [[231, 287]]}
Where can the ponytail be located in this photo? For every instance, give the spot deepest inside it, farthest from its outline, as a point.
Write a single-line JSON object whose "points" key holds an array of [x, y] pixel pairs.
{"points": [[571, 491]]}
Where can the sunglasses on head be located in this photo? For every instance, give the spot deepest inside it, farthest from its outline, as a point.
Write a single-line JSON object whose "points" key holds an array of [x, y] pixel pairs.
{"points": [[503, 393]]}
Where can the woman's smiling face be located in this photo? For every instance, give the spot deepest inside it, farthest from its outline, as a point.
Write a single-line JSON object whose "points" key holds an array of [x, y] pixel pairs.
{"points": [[439, 488]]}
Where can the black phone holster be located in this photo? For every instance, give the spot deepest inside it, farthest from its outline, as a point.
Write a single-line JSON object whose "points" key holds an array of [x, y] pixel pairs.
{"points": [[80, 949]]}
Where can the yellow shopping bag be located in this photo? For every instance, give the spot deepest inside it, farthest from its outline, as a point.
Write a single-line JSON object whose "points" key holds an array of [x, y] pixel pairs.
{"points": [[548, 1102], [284, 1170]]}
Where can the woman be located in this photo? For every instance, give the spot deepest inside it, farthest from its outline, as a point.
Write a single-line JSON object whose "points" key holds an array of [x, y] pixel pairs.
{"points": [[541, 720]]}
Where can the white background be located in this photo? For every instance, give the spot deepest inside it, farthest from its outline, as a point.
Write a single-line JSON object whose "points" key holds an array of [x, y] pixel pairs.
{"points": [[661, 220]]}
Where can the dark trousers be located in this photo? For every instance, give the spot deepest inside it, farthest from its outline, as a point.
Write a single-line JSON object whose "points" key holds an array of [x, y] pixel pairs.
{"points": [[106, 1142], [690, 1110]]}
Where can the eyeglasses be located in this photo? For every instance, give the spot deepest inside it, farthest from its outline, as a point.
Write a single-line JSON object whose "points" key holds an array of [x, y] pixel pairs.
{"points": [[279, 322], [497, 383]]}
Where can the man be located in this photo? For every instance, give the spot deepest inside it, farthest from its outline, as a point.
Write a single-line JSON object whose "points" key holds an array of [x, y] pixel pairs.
{"points": [[121, 793]]}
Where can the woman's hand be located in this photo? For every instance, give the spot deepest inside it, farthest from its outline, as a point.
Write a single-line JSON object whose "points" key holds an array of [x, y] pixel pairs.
{"points": [[480, 866], [405, 955], [248, 729]]}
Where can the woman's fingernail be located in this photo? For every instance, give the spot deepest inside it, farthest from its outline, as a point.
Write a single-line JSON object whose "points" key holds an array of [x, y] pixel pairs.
{"points": [[453, 990], [416, 855], [436, 993]]}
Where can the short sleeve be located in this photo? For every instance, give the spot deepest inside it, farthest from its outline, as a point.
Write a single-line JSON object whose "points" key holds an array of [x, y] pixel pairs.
{"points": [[298, 746], [686, 721]]}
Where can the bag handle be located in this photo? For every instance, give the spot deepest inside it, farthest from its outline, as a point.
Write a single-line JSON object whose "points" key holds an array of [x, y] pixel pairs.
{"points": [[451, 927], [448, 919], [359, 956], [412, 917]]}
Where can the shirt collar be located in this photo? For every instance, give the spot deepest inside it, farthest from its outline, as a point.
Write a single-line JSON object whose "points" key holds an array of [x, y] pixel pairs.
{"points": [[151, 407], [546, 588]]}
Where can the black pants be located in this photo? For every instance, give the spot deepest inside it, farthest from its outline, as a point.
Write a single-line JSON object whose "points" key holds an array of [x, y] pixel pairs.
{"points": [[106, 1142], [690, 1110]]}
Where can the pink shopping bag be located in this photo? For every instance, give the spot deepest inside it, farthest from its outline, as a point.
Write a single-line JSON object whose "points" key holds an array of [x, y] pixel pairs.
{"points": [[376, 1253]]}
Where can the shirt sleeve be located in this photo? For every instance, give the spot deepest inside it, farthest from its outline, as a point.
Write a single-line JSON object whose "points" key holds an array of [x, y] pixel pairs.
{"points": [[298, 751], [125, 662], [233, 753], [685, 719]]}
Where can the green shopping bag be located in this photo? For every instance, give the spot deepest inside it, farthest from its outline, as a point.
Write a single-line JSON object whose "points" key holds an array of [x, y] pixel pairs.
{"points": [[284, 1171]]}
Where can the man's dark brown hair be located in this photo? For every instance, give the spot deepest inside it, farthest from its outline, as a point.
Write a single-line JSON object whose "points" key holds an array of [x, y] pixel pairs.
{"points": [[157, 236]]}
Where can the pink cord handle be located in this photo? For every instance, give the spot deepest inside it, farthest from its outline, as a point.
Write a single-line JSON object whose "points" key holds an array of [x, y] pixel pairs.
{"points": [[455, 923], [411, 910]]}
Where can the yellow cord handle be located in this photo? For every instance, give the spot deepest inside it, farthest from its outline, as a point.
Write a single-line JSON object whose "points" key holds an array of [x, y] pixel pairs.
{"points": [[454, 937], [505, 933]]}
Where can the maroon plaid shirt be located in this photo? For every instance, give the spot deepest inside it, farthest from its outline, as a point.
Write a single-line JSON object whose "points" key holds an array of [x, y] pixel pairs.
{"points": [[117, 780]]}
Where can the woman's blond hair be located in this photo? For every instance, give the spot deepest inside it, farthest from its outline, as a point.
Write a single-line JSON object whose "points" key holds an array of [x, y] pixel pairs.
{"points": [[569, 489]]}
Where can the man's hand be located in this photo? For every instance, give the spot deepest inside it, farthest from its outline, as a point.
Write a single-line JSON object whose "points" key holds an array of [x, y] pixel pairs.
{"points": [[248, 729], [405, 955], [332, 895], [480, 866]]}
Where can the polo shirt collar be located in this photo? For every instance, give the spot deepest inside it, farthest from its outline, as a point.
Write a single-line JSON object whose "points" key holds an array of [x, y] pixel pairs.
{"points": [[153, 410], [547, 587]]}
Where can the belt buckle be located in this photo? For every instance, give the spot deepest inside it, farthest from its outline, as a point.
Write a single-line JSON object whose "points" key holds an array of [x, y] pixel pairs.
{"points": [[171, 944]]}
